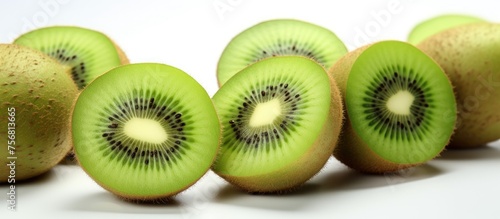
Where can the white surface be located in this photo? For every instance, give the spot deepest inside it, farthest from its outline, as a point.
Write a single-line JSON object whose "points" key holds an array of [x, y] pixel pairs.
{"points": [[460, 184], [191, 35]]}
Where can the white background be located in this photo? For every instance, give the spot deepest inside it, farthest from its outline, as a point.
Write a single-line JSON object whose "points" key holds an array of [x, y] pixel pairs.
{"points": [[191, 35]]}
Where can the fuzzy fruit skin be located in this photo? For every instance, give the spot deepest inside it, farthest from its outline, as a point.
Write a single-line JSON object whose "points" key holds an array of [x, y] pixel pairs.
{"points": [[355, 154], [470, 56], [308, 165], [121, 54], [42, 93], [351, 150]]}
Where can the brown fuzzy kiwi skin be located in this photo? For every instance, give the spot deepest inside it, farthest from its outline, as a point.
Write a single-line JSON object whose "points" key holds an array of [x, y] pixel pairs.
{"points": [[352, 150], [156, 199], [121, 54], [470, 56], [42, 93], [354, 153], [315, 158], [70, 157]]}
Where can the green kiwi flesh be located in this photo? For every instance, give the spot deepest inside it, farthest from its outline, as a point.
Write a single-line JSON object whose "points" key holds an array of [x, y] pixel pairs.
{"points": [[400, 107], [86, 52], [470, 56], [281, 120], [36, 96], [275, 38], [440, 23], [145, 131]]}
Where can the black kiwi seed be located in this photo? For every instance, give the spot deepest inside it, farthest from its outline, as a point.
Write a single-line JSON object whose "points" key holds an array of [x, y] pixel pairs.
{"points": [[78, 70], [286, 49], [383, 92], [173, 123], [289, 98]]}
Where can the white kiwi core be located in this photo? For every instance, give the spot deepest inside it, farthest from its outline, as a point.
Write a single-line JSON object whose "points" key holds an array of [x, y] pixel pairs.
{"points": [[400, 103], [146, 130], [265, 113]]}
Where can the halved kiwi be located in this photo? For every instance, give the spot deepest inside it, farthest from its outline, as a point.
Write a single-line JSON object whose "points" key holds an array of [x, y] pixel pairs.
{"points": [[145, 131], [36, 98], [281, 119], [86, 52], [276, 38], [440, 23], [400, 107]]}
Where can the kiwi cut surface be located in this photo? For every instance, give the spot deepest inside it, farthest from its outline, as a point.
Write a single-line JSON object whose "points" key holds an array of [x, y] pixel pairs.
{"points": [[36, 96], [281, 119], [400, 107], [87, 53], [470, 56], [276, 38], [440, 23], [145, 131]]}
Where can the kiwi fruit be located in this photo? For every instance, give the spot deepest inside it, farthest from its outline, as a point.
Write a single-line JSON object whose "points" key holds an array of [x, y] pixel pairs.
{"points": [[281, 119], [86, 52], [440, 23], [470, 56], [400, 107], [276, 38], [145, 131], [36, 96]]}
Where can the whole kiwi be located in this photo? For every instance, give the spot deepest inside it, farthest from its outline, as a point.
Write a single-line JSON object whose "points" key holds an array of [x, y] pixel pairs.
{"points": [[36, 95], [470, 56]]}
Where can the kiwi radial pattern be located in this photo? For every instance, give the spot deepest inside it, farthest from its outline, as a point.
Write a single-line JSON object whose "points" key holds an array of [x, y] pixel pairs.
{"points": [[276, 38], [87, 53], [145, 131], [400, 107], [470, 56], [36, 96], [281, 120]]}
